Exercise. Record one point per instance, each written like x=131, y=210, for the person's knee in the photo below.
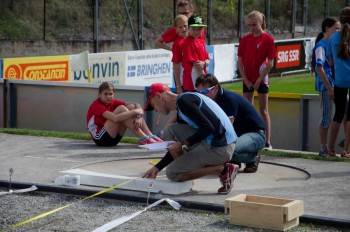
x=324, y=124
x=338, y=118
x=130, y=107
x=172, y=176
x=121, y=109
x=264, y=111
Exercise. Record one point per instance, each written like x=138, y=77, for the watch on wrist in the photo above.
x=185, y=148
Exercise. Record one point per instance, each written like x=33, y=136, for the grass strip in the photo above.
x=134, y=140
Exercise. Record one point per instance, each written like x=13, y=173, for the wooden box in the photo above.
x=264, y=212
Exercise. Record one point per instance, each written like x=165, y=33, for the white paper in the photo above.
x=157, y=146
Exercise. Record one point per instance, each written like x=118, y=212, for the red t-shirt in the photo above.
x=255, y=51
x=95, y=120
x=177, y=54
x=192, y=50
x=177, y=50
x=170, y=35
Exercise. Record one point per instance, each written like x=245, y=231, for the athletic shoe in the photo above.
x=253, y=166
x=156, y=138
x=147, y=141
x=345, y=154
x=227, y=178
x=267, y=147
x=323, y=153
x=331, y=153
x=237, y=163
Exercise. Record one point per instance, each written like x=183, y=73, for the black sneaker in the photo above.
x=253, y=166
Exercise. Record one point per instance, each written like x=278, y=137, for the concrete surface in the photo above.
x=323, y=186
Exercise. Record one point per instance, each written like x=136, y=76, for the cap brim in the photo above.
x=197, y=25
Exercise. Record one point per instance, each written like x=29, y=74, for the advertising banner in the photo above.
x=49, y=68
x=146, y=67
x=210, y=49
x=103, y=67
x=292, y=55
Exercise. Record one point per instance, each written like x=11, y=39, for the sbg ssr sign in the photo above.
x=288, y=56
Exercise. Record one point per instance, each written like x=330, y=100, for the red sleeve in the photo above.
x=272, y=51
x=170, y=35
x=96, y=108
x=241, y=46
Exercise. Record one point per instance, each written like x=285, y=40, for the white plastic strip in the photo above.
x=112, y=224
x=32, y=188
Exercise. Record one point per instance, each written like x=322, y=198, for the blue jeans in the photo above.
x=247, y=147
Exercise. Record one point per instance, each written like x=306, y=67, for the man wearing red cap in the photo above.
x=204, y=146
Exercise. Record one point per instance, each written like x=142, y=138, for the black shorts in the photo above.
x=262, y=89
x=105, y=140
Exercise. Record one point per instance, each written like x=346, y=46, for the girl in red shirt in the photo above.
x=108, y=119
x=256, y=53
x=181, y=26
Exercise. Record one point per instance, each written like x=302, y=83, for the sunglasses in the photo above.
x=204, y=91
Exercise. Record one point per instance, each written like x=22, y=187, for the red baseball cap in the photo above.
x=151, y=92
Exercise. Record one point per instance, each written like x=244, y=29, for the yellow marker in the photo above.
x=154, y=161
x=89, y=75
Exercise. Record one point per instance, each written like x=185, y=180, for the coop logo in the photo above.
x=288, y=56
x=41, y=71
x=146, y=70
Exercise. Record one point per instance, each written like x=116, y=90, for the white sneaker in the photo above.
x=267, y=147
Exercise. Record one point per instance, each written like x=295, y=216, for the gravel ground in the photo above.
x=92, y=213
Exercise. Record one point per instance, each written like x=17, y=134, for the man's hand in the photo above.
x=151, y=173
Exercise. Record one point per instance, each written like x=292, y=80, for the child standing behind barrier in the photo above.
x=256, y=52
x=195, y=57
x=181, y=25
x=184, y=7
x=108, y=119
x=324, y=82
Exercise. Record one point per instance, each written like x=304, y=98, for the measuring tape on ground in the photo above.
x=66, y=206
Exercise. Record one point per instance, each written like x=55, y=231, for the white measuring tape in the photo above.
x=112, y=224
x=32, y=188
